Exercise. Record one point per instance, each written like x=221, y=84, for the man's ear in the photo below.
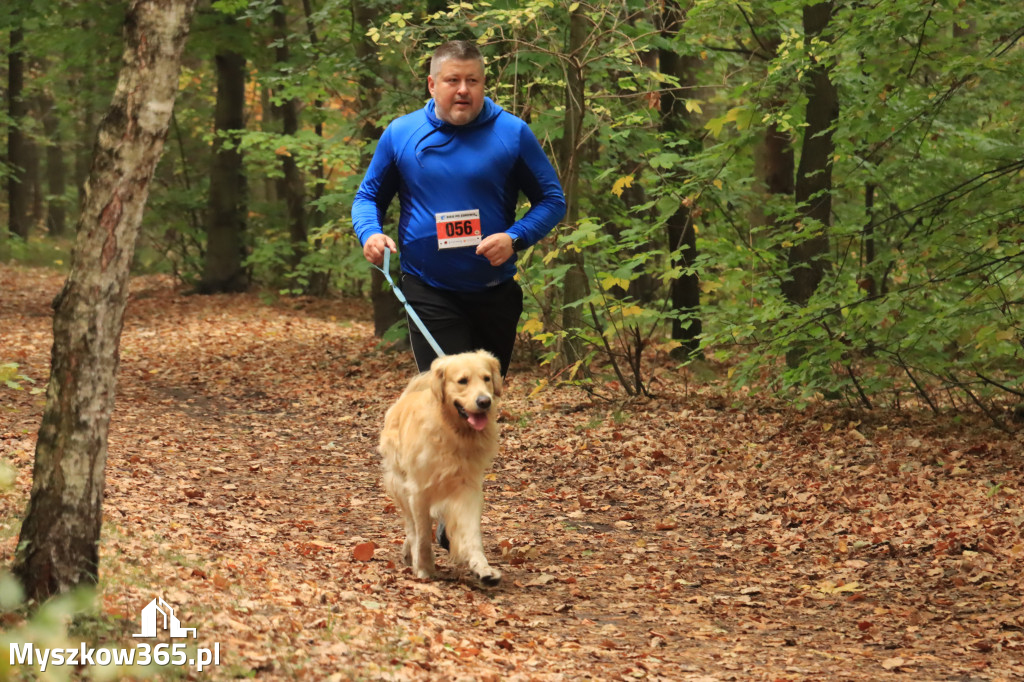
x=430, y=85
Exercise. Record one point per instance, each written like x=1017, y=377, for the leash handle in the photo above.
x=386, y=270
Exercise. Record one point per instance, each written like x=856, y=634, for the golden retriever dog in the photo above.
x=439, y=438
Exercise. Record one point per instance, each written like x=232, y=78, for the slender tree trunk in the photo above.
x=643, y=287
x=18, y=196
x=774, y=165
x=59, y=544
x=86, y=135
x=292, y=186
x=84, y=82
x=807, y=259
x=774, y=160
x=774, y=171
x=576, y=284
x=268, y=124
x=318, y=280
x=868, y=282
x=32, y=183
x=386, y=308
x=682, y=237
x=227, y=209
x=56, y=168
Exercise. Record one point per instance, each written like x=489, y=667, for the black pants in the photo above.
x=462, y=322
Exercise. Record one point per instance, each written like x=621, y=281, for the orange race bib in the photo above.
x=456, y=229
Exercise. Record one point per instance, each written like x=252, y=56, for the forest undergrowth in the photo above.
x=698, y=535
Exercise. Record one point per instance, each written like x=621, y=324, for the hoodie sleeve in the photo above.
x=539, y=182
x=376, y=190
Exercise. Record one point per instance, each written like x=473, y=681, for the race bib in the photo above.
x=456, y=229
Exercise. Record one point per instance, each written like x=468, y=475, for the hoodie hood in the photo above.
x=446, y=132
x=488, y=113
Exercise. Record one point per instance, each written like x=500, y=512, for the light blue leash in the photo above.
x=442, y=537
x=386, y=270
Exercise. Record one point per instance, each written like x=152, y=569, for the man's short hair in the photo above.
x=462, y=50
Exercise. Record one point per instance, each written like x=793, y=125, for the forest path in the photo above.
x=679, y=538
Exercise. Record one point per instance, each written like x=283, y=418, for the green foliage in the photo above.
x=932, y=316
x=74, y=51
x=920, y=303
x=50, y=253
x=11, y=378
x=54, y=625
x=617, y=326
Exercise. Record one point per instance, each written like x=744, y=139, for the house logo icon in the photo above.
x=171, y=623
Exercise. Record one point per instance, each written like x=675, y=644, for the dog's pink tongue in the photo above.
x=477, y=421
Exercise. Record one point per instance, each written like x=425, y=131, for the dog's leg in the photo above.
x=419, y=540
x=393, y=484
x=462, y=516
x=410, y=534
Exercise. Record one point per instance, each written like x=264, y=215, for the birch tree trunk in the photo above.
x=59, y=544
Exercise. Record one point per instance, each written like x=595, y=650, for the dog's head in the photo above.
x=468, y=384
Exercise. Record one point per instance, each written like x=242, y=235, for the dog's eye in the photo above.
x=464, y=380
x=487, y=377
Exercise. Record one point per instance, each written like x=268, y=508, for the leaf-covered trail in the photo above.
x=679, y=539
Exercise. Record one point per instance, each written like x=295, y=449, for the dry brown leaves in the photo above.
x=680, y=538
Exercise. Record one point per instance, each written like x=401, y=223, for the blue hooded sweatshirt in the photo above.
x=437, y=168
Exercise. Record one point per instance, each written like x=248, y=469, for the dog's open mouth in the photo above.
x=478, y=420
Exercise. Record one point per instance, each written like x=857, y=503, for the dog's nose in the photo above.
x=483, y=402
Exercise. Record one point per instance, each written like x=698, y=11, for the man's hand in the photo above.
x=496, y=249
x=373, y=249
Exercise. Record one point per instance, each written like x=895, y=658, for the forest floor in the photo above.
x=698, y=535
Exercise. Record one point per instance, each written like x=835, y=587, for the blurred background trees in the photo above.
x=820, y=198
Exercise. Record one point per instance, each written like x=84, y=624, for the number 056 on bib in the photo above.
x=458, y=228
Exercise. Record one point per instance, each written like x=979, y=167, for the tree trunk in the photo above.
x=813, y=192
x=774, y=161
x=775, y=165
x=227, y=208
x=56, y=168
x=18, y=197
x=576, y=284
x=292, y=187
x=867, y=281
x=267, y=189
x=682, y=237
x=87, y=80
x=86, y=137
x=32, y=183
x=59, y=544
x=318, y=279
x=386, y=308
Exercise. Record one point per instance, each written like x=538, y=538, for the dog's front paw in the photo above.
x=424, y=573
x=488, y=577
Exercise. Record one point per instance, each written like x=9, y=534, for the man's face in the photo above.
x=458, y=90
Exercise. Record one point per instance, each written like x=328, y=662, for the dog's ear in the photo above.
x=496, y=380
x=437, y=379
